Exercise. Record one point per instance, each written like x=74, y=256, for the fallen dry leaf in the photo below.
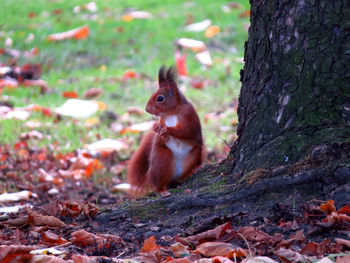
x=70, y=95
x=343, y=242
x=212, y=31
x=84, y=238
x=53, y=239
x=288, y=255
x=212, y=249
x=77, y=108
x=17, y=196
x=195, y=45
x=179, y=250
x=79, y=33
x=204, y=58
x=328, y=207
x=150, y=245
x=92, y=93
x=138, y=127
x=36, y=219
x=199, y=26
x=107, y=145
x=210, y=235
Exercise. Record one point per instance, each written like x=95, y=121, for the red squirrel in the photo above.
x=174, y=148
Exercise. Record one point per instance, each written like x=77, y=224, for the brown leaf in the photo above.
x=92, y=93
x=344, y=210
x=41, y=220
x=343, y=242
x=254, y=235
x=309, y=249
x=84, y=238
x=21, y=221
x=298, y=236
x=210, y=235
x=53, y=238
x=179, y=250
x=343, y=259
x=288, y=255
x=150, y=245
x=328, y=207
x=212, y=249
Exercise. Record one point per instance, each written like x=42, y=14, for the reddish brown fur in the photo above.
x=153, y=164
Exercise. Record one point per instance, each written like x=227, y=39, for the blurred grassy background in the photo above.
x=113, y=47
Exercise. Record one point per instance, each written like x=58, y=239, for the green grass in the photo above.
x=140, y=45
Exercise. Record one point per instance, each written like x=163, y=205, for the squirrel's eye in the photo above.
x=160, y=98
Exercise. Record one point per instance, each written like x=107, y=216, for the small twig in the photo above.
x=246, y=241
x=62, y=245
x=225, y=143
x=121, y=254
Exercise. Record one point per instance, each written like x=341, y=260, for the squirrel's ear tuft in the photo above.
x=162, y=76
x=171, y=75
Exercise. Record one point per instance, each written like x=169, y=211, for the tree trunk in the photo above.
x=294, y=105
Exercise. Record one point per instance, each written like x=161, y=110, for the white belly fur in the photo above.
x=180, y=150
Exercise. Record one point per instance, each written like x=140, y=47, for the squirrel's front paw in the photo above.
x=162, y=131
x=157, y=127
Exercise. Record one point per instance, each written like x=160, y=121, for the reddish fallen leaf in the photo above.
x=15, y=253
x=52, y=238
x=89, y=209
x=344, y=210
x=130, y=74
x=234, y=5
x=57, y=11
x=77, y=33
x=309, y=249
x=180, y=60
x=70, y=94
x=244, y=14
x=212, y=249
x=328, y=207
x=210, y=235
x=36, y=219
x=179, y=250
x=298, y=236
x=288, y=255
x=72, y=209
x=335, y=218
x=92, y=93
x=220, y=259
x=254, y=235
x=343, y=242
x=31, y=15
x=150, y=245
x=197, y=83
x=84, y=238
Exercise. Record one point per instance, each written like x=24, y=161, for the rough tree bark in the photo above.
x=295, y=98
